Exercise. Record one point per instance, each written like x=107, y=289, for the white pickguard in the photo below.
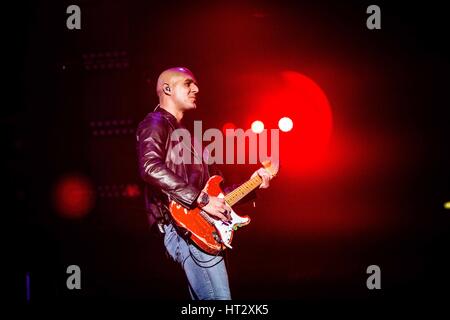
x=225, y=229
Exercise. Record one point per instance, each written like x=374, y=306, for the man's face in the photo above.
x=184, y=91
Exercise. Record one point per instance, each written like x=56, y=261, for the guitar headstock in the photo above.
x=271, y=166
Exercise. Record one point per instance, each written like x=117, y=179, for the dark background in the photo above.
x=378, y=200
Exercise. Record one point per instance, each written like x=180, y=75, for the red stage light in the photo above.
x=285, y=124
x=73, y=196
x=276, y=95
x=257, y=126
x=131, y=191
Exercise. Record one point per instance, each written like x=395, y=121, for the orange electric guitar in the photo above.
x=211, y=234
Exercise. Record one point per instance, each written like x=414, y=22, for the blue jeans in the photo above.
x=206, y=274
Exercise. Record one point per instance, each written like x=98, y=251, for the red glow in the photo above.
x=73, y=196
x=291, y=94
x=131, y=191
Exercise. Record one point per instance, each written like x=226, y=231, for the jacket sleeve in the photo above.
x=152, y=137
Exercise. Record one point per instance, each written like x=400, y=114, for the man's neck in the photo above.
x=173, y=111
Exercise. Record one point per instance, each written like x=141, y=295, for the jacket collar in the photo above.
x=166, y=114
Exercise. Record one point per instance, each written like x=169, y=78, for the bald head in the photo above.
x=177, y=90
x=168, y=78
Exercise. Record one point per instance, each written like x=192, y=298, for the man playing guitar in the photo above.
x=185, y=200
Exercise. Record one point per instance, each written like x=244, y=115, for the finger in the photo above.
x=222, y=217
x=228, y=211
x=265, y=174
x=221, y=207
x=217, y=214
x=228, y=215
x=264, y=184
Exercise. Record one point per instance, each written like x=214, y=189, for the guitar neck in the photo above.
x=240, y=192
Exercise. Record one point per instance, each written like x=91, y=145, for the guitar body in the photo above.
x=210, y=234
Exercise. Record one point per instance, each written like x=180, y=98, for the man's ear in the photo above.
x=166, y=89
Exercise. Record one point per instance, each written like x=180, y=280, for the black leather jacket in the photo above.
x=165, y=179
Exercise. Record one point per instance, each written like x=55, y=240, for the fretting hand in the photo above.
x=265, y=176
